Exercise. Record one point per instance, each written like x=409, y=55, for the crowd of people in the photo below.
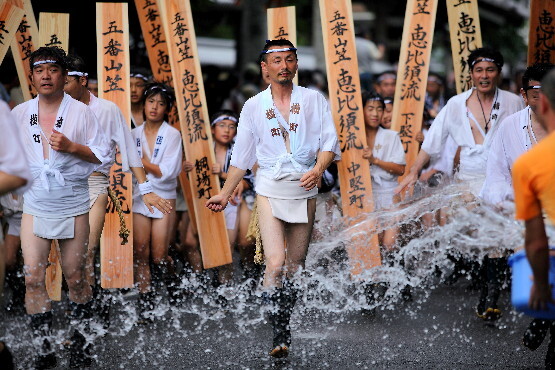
x=275, y=148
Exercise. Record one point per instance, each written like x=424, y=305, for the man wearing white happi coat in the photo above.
x=471, y=119
x=289, y=131
x=118, y=133
x=515, y=136
x=63, y=145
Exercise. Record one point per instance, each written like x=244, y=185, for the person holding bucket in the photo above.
x=533, y=181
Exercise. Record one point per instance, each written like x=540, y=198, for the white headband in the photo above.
x=44, y=62
x=223, y=118
x=386, y=76
x=77, y=73
x=388, y=101
x=483, y=60
x=278, y=50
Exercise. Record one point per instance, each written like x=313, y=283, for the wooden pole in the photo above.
x=10, y=18
x=195, y=128
x=23, y=45
x=282, y=25
x=412, y=75
x=541, y=38
x=466, y=36
x=346, y=106
x=112, y=34
x=54, y=31
x=158, y=55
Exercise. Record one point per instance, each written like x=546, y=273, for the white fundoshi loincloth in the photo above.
x=287, y=198
x=54, y=228
x=97, y=185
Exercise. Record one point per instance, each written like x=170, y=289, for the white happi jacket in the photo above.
x=116, y=130
x=510, y=142
x=60, y=185
x=311, y=130
x=453, y=120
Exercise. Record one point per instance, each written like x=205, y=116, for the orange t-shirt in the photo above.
x=534, y=181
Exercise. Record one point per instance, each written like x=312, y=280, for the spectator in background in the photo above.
x=93, y=86
x=367, y=53
x=385, y=83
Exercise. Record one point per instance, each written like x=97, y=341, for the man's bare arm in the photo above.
x=537, y=252
x=312, y=177
x=219, y=202
x=410, y=179
x=10, y=182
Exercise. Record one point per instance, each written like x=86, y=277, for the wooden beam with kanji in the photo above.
x=541, y=37
x=347, y=110
x=23, y=45
x=112, y=34
x=158, y=56
x=283, y=25
x=195, y=128
x=412, y=74
x=54, y=32
x=10, y=18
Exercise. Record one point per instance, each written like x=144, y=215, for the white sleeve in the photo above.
x=13, y=160
x=95, y=138
x=439, y=131
x=445, y=162
x=170, y=165
x=124, y=139
x=244, y=149
x=328, y=134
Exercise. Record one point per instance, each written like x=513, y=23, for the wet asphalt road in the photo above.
x=439, y=331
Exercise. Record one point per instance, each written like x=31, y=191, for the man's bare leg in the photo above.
x=97, y=216
x=272, y=232
x=245, y=247
x=298, y=239
x=35, y=256
x=192, y=250
x=141, y=251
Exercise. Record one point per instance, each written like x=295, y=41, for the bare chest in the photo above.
x=46, y=122
x=284, y=110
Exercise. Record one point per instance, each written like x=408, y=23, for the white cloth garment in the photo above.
x=97, y=185
x=511, y=141
x=12, y=157
x=388, y=148
x=315, y=132
x=60, y=182
x=113, y=124
x=453, y=120
x=166, y=154
x=259, y=139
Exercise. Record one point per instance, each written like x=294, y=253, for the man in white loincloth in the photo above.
x=289, y=130
x=117, y=132
x=63, y=144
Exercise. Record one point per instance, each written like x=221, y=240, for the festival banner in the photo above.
x=282, y=25
x=10, y=18
x=116, y=246
x=412, y=74
x=178, y=26
x=23, y=45
x=158, y=55
x=466, y=36
x=541, y=37
x=54, y=31
x=347, y=110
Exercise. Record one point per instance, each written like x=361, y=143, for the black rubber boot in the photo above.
x=274, y=307
x=102, y=303
x=481, y=307
x=16, y=282
x=287, y=304
x=145, y=305
x=80, y=354
x=41, y=326
x=495, y=274
x=535, y=333
x=6, y=358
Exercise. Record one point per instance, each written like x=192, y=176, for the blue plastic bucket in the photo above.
x=522, y=284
